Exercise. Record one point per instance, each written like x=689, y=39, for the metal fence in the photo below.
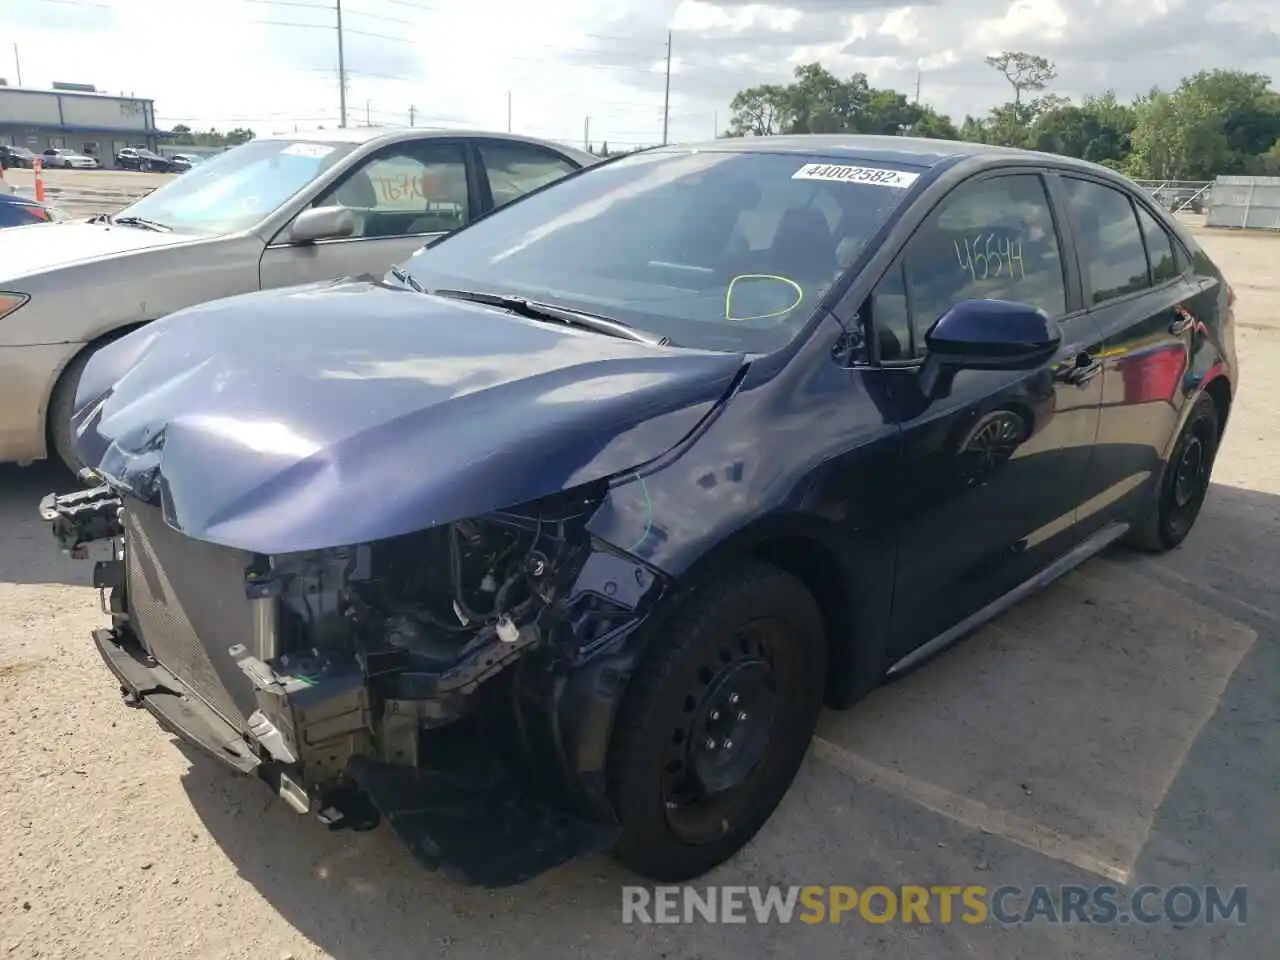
x=1191, y=196
x=1245, y=203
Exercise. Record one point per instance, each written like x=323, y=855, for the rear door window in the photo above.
x=514, y=169
x=1109, y=240
x=1164, y=265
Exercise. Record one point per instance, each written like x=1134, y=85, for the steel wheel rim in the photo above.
x=719, y=745
x=1188, y=481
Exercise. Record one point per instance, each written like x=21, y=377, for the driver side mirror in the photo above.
x=322, y=223
x=986, y=335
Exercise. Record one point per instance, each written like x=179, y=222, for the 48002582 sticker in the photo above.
x=841, y=173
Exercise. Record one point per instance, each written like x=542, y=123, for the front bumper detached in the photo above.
x=468, y=816
x=460, y=810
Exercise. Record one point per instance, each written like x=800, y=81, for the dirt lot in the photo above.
x=82, y=193
x=1120, y=727
x=89, y=179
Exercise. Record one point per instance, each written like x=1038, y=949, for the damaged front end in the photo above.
x=458, y=681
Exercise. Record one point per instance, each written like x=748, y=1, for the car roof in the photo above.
x=367, y=135
x=920, y=152
x=19, y=200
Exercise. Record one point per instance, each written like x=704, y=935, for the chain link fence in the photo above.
x=1179, y=196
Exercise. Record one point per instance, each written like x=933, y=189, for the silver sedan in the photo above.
x=272, y=212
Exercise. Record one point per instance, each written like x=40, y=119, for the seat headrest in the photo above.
x=803, y=245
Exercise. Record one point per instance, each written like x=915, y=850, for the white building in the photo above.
x=81, y=119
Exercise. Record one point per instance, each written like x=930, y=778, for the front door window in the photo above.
x=406, y=190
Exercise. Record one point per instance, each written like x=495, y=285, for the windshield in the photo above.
x=719, y=251
x=236, y=189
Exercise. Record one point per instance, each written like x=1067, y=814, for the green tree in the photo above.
x=1177, y=136
x=182, y=134
x=759, y=111
x=1098, y=130
x=1219, y=121
x=1250, y=112
x=819, y=102
x=1026, y=72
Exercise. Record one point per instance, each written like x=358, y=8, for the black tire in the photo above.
x=750, y=626
x=61, y=406
x=1174, y=503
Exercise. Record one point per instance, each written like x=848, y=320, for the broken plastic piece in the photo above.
x=508, y=632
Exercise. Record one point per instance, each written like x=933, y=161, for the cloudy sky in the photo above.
x=272, y=64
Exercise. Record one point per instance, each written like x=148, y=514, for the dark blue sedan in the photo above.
x=18, y=211
x=559, y=537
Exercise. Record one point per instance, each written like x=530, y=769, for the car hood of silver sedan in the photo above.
x=42, y=247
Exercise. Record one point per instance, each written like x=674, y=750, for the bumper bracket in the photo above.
x=144, y=682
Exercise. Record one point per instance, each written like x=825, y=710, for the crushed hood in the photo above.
x=340, y=413
x=48, y=246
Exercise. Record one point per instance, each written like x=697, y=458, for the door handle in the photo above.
x=1181, y=323
x=1082, y=371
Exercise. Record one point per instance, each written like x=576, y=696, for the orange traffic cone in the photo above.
x=37, y=167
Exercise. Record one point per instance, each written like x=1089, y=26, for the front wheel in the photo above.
x=1174, y=503
x=62, y=406
x=716, y=721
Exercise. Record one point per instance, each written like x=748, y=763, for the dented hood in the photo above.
x=341, y=413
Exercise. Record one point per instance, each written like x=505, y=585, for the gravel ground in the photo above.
x=1121, y=726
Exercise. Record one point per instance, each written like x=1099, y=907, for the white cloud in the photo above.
x=271, y=64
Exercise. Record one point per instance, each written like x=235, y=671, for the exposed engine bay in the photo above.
x=361, y=680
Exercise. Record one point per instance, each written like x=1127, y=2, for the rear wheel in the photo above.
x=1174, y=504
x=716, y=721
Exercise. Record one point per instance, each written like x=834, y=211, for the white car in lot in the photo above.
x=68, y=159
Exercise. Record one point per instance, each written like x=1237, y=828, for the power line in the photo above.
x=328, y=26
x=325, y=8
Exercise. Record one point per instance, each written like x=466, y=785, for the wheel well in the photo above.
x=96, y=344
x=817, y=566
x=1219, y=391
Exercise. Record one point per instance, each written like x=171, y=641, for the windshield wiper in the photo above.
x=535, y=310
x=407, y=280
x=143, y=222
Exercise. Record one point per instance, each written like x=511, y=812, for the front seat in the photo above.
x=803, y=247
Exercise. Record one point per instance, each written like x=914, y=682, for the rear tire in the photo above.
x=716, y=721
x=1174, y=503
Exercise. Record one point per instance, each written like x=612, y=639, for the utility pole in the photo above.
x=586, y=133
x=666, y=97
x=17, y=64
x=508, y=111
x=367, y=121
x=411, y=110
x=917, y=86
x=342, y=70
